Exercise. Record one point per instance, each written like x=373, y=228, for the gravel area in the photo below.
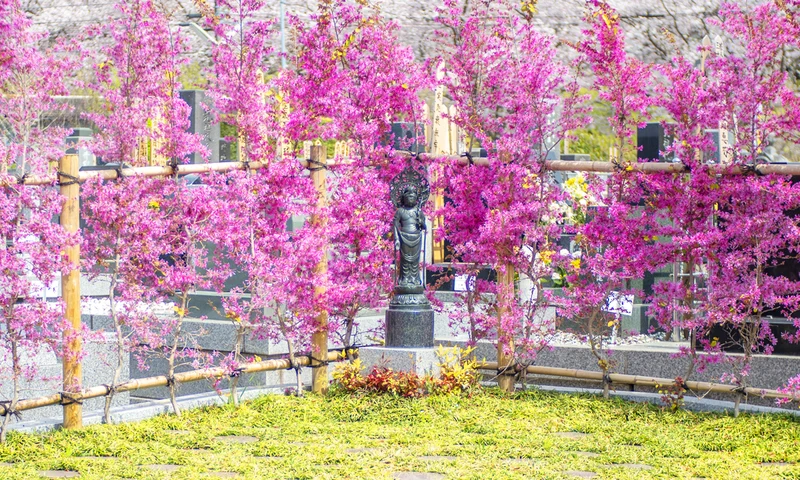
x=567, y=338
x=100, y=306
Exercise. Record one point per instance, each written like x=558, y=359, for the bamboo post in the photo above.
x=319, y=339
x=68, y=173
x=505, y=347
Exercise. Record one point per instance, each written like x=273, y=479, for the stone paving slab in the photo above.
x=580, y=474
x=417, y=476
x=231, y=439
x=59, y=474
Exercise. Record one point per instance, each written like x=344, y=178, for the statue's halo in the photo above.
x=414, y=178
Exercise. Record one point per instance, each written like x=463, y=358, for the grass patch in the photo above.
x=489, y=436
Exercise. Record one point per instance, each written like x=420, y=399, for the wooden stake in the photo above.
x=505, y=349
x=69, y=167
x=319, y=339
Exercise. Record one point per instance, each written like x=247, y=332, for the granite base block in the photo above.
x=409, y=328
x=422, y=361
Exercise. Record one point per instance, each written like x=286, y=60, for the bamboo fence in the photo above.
x=68, y=399
x=69, y=177
x=550, y=165
x=637, y=380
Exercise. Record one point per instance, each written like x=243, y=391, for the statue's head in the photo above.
x=410, y=196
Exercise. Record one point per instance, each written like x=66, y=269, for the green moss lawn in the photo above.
x=528, y=435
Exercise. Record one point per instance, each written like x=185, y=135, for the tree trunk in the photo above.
x=15, y=393
x=120, y=348
x=348, y=338
x=237, y=354
x=173, y=354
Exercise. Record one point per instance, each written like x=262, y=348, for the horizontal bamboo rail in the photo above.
x=642, y=381
x=652, y=167
x=159, y=381
x=551, y=165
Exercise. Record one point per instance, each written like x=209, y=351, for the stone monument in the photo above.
x=409, y=319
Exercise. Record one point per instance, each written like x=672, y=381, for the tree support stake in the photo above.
x=69, y=169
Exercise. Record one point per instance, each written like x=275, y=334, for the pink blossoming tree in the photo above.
x=350, y=81
x=516, y=102
x=146, y=254
x=30, y=243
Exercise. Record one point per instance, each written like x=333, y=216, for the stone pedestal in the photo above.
x=422, y=361
x=409, y=321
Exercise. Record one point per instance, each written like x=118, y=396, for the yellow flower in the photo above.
x=546, y=256
x=576, y=264
x=154, y=205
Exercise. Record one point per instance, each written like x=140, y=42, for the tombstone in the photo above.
x=403, y=137
x=200, y=122
x=652, y=142
x=552, y=144
x=74, y=140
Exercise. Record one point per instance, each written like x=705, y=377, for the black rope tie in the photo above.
x=173, y=163
x=469, y=158
x=120, y=174
x=22, y=178
x=508, y=370
x=110, y=389
x=752, y=168
x=618, y=166
x=7, y=410
x=69, y=399
x=294, y=366
x=319, y=165
x=170, y=380
x=236, y=372
x=72, y=179
x=319, y=363
x=606, y=378
x=683, y=385
x=740, y=390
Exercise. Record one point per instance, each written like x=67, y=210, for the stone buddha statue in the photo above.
x=409, y=225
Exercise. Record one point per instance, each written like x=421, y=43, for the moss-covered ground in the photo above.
x=491, y=435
